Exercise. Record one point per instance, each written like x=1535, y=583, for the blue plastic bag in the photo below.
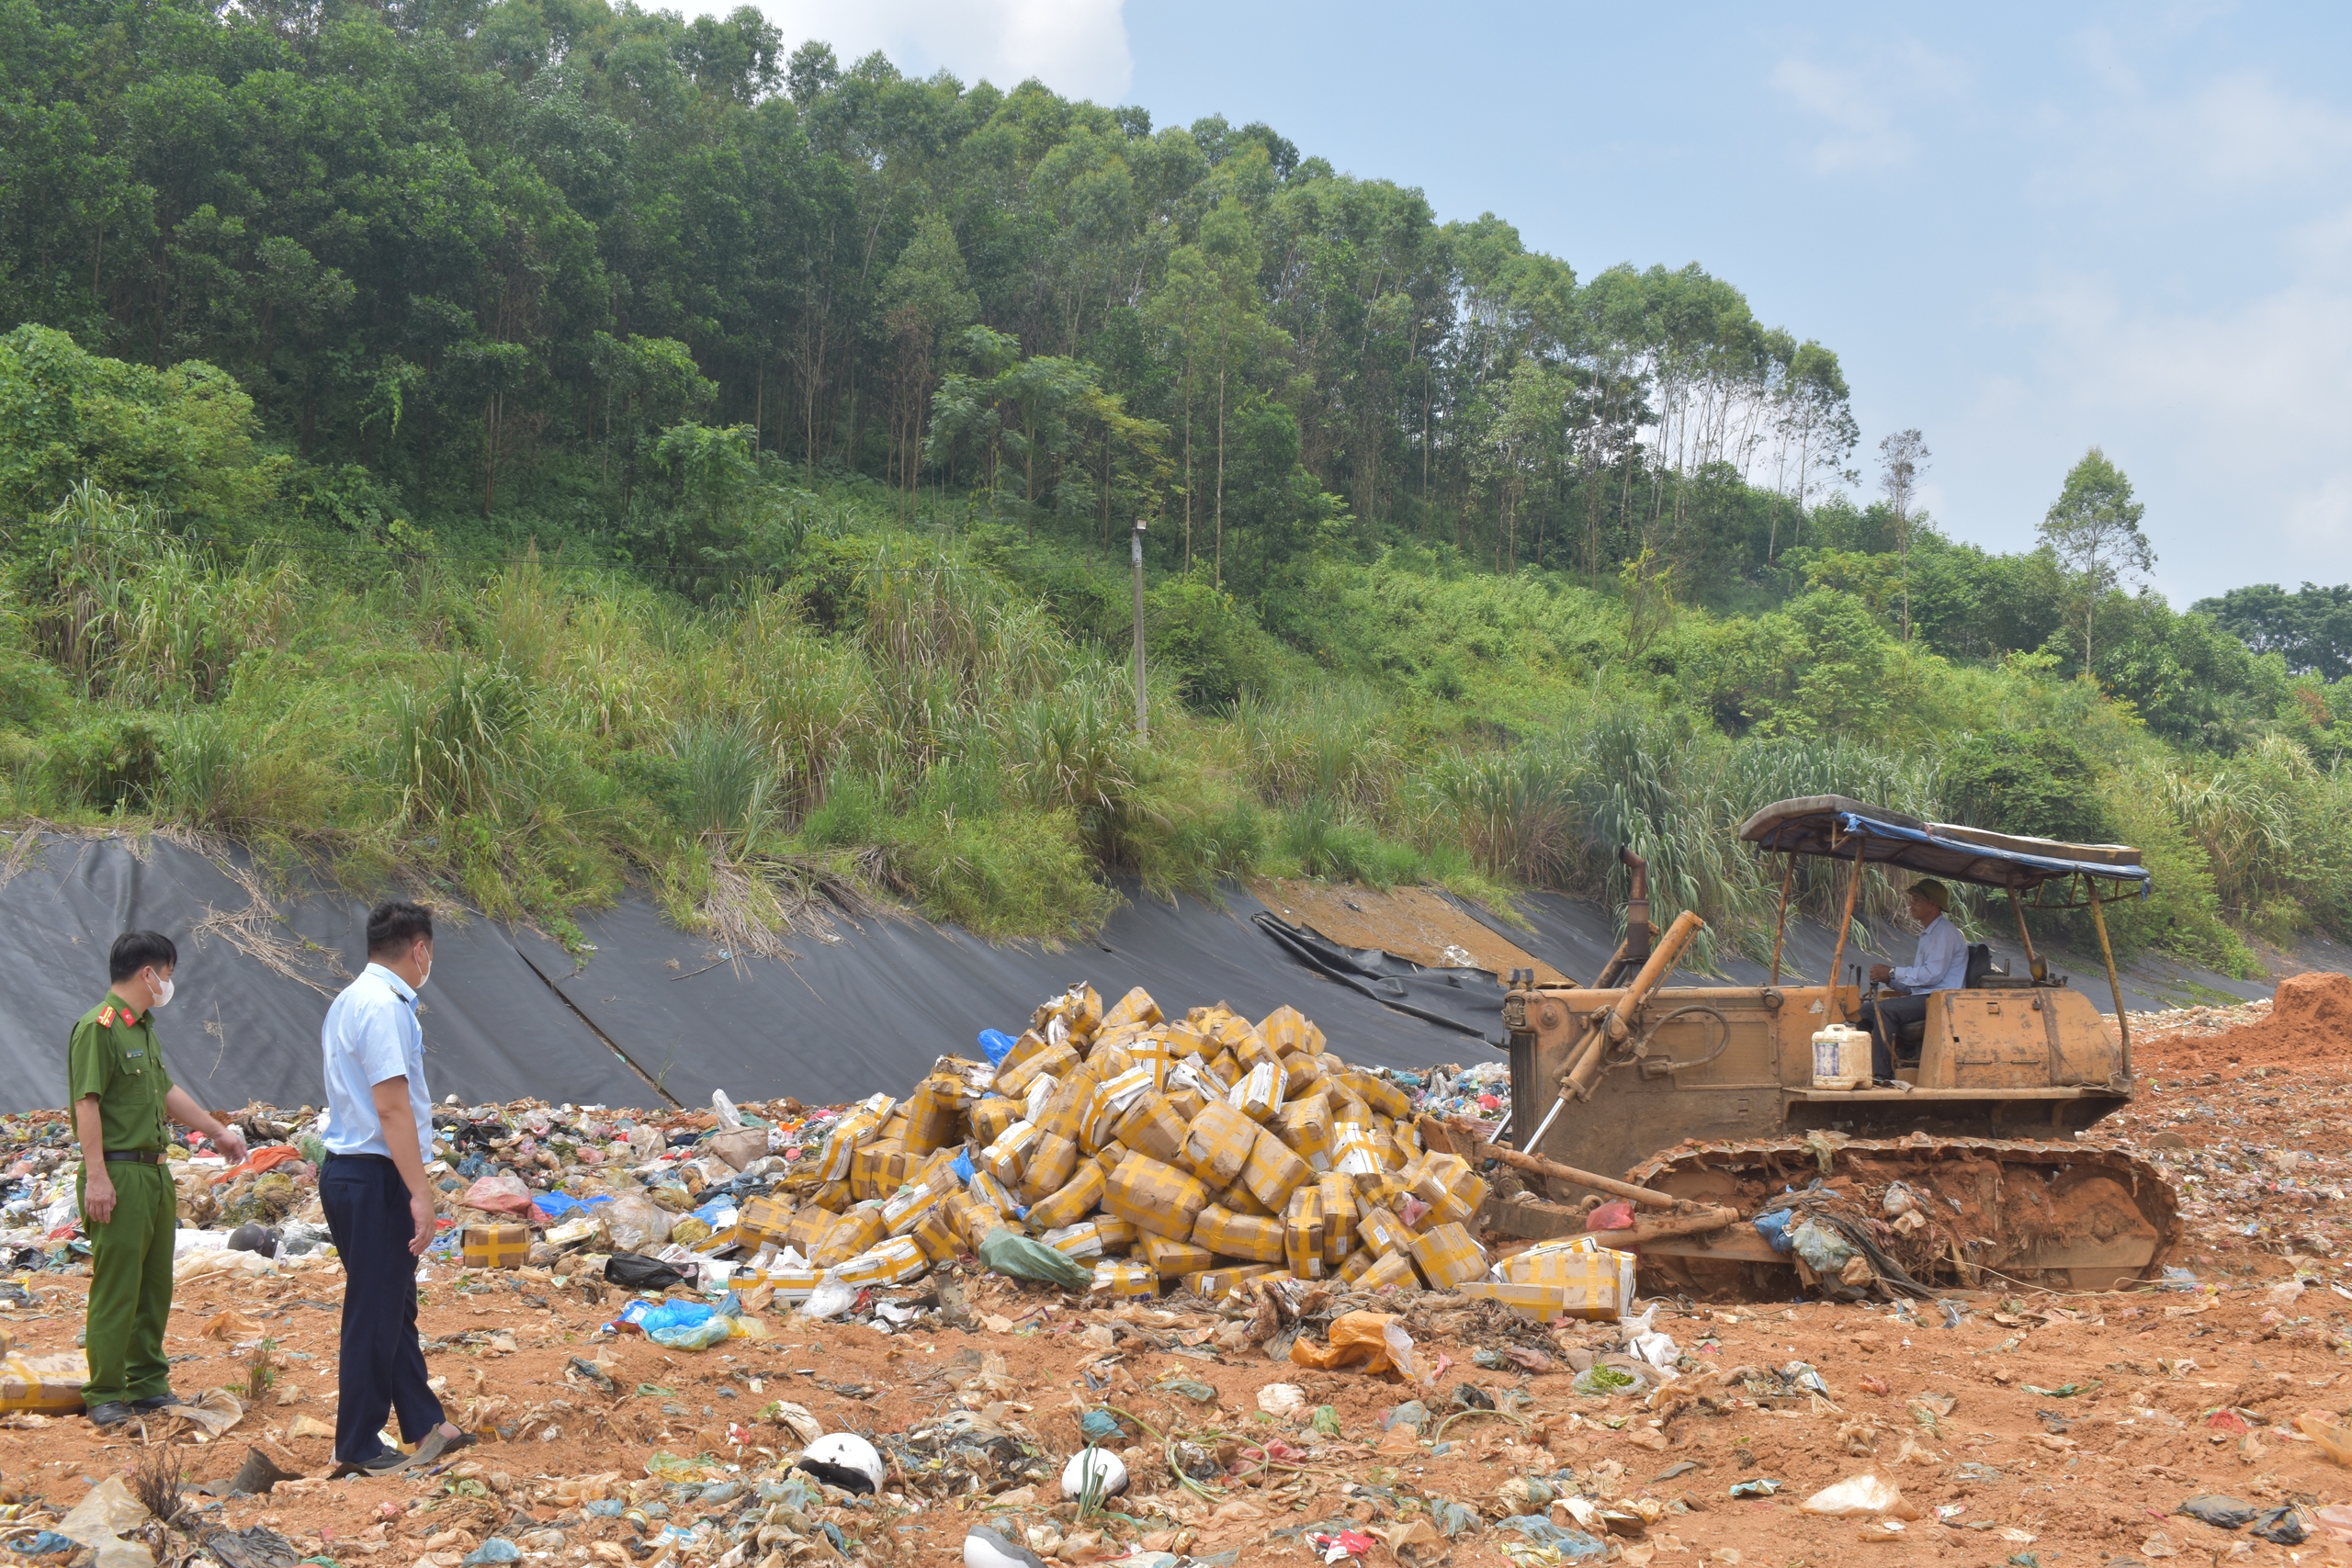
x=714, y=1330
x=43, y=1543
x=686, y=1326
x=1774, y=1227
x=497, y=1549
x=1570, y=1544
x=555, y=1205
x=677, y=1315
x=963, y=1167
x=998, y=1045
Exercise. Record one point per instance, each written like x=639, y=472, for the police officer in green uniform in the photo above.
x=122, y=1096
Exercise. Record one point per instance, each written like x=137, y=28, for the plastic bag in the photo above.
x=1659, y=1350
x=636, y=1224
x=1009, y=1252
x=730, y=1117
x=634, y=1272
x=1774, y=1228
x=714, y=1330
x=1400, y=1355
x=2222, y=1513
x=831, y=1297
x=1600, y=1382
x=2281, y=1526
x=1860, y=1494
x=669, y=1315
x=1572, y=1545
x=1356, y=1338
x=1824, y=1250
x=499, y=1195
x=1612, y=1216
x=2334, y=1440
x=995, y=1045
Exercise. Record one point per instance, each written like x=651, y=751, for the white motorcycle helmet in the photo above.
x=1109, y=1473
x=843, y=1460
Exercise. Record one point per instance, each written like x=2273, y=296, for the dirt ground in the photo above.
x=2041, y=1430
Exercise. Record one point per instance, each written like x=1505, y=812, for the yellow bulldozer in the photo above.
x=1961, y=1171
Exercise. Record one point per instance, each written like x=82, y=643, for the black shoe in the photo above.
x=155, y=1401
x=111, y=1415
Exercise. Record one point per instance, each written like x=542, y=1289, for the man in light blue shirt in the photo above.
x=379, y=1202
x=1941, y=964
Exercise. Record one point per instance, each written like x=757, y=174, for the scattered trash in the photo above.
x=1282, y=1399
x=2222, y=1513
x=1860, y=1494
x=1571, y=1544
x=2283, y=1526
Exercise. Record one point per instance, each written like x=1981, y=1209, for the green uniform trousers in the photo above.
x=130, y=1285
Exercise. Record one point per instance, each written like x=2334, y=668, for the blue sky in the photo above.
x=2026, y=229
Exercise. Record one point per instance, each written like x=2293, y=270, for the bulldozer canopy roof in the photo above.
x=1835, y=826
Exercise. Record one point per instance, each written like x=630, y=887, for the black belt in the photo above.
x=372, y=1159
x=144, y=1156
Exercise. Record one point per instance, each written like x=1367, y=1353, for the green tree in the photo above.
x=926, y=297
x=2034, y=782
x=185, y=438
x=2094, y=529
x=1902, y=458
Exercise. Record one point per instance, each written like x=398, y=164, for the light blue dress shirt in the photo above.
x=1942, y=961
x=371, y=1034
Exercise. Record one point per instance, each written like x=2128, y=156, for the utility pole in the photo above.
x=1135, y=558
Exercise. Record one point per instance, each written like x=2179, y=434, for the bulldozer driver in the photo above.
x=1941, y=964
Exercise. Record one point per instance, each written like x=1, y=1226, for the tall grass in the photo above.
x=725, y=779
x=454, y=745
x=904, y=719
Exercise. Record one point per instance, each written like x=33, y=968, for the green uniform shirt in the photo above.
x=113, y=1055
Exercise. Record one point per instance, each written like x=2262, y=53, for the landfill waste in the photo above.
x=800, y=1281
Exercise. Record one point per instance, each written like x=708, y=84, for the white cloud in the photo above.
x=2240, y=134
x=1861, y=106
x=1076, y=47
x=2229, y=418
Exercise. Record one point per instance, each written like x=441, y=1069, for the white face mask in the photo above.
x=160, y=990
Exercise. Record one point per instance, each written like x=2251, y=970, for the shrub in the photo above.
x=107, y=764
x=2035, y=781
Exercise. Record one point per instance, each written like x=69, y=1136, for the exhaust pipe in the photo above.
x=1637, y=907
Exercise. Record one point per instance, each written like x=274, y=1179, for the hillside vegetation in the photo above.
x=526, y=447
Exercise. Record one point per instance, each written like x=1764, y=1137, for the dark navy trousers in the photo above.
x=383, y=1369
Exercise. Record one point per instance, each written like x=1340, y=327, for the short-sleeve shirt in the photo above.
x=371, y=1035
x=113, y=1055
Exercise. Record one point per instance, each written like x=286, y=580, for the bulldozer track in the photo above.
x=2018, y=1210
